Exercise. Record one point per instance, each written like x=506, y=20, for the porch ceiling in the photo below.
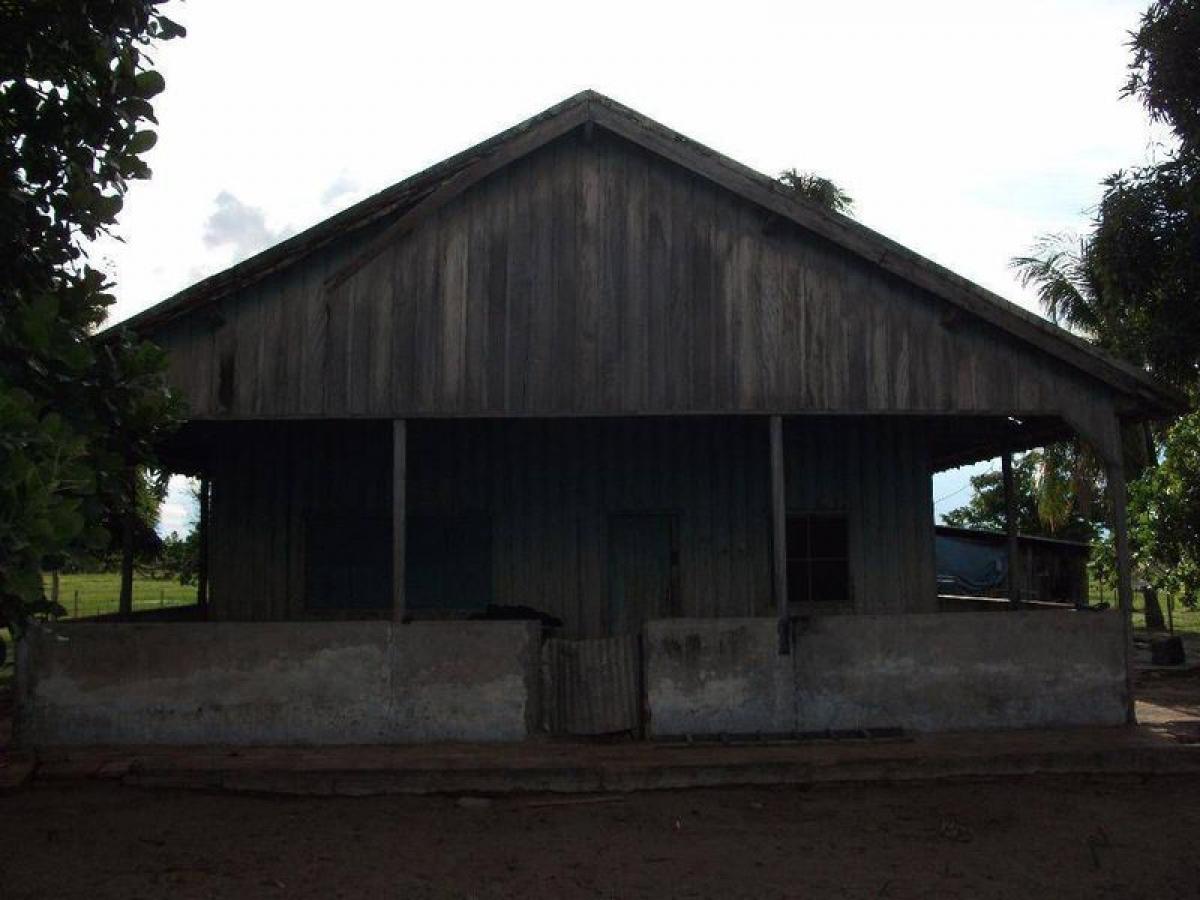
x=954, y=440
x=961, y=440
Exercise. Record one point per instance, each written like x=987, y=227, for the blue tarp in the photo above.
x=969, y=567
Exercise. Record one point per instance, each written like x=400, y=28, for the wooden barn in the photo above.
x=594, y=371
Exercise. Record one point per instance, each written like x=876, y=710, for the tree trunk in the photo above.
x=125, y=603
x=1154, y=613
x=54, y=585
x=202, y=562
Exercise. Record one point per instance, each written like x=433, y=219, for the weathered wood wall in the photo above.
x=549, y=487
x=268, y=481
x=592, y=277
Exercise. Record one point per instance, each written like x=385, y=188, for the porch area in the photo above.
x=499, y=580
x=596, y=524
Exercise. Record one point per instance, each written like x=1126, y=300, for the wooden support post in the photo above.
x=202, y=541
x=1103, y=431
x=399, y=515
x=1120, y=525
x=779, y=536
x=1012, y=524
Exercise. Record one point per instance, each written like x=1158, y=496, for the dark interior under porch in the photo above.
x=597, y=522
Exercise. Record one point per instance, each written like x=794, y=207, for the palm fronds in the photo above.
x=1060, y=268
x=819, y=190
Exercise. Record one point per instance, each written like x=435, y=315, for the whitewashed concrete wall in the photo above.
x=374, y=682
x=278, y=683
x=925, y=672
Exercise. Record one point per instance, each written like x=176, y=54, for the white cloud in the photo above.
x=178, y=513
x=240, y=226
x=338, y=188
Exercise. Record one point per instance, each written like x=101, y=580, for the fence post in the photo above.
x=76, y=603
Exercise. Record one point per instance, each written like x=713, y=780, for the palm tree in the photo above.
x=819, y=190
x=1073, y=286
x=1061, y=268
x=1065, y=273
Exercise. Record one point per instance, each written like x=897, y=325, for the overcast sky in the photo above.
x=961, y=129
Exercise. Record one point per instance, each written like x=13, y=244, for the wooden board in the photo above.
x=592, y=277
x=549, y=490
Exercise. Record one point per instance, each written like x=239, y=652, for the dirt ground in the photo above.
x=1165, y=696
x=1043, y=837
x=1061, y=837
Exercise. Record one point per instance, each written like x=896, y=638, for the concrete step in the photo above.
x=556, y=767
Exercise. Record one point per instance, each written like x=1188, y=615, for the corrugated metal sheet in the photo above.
x=593, y=686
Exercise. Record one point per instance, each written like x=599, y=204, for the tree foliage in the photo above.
x=1165, y=507
x=1059, y=510
x=1165, y=71
x=1148, y=239
x=78, y=414
x=1132, y=285
x=1061, y=268
x=819, y=190
x=180, y=557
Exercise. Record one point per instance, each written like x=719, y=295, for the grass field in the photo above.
x=91, y=595
x=1185, y=620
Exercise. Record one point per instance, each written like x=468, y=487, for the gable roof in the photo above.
x=411, y=200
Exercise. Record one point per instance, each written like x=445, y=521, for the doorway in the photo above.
x=643, y=570
x=593, y=686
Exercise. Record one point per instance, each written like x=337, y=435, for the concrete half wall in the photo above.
x=278, y=683
x=923, y=672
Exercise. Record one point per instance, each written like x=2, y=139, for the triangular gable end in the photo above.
x=401, y=208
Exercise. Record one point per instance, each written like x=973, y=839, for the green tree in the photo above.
x=1165, y=505
x=819, y=190
x=1132, y=285
x=180, y=557
x=79, y=416
x=1146, y=240
x=1074, y=520
x=1165, y=71
x=1147, y=244
x=1061, y=268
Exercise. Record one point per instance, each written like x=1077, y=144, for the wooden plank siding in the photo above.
x=549, y=488
x=593, y=277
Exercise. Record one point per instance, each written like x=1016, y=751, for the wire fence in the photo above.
x=86, y=598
